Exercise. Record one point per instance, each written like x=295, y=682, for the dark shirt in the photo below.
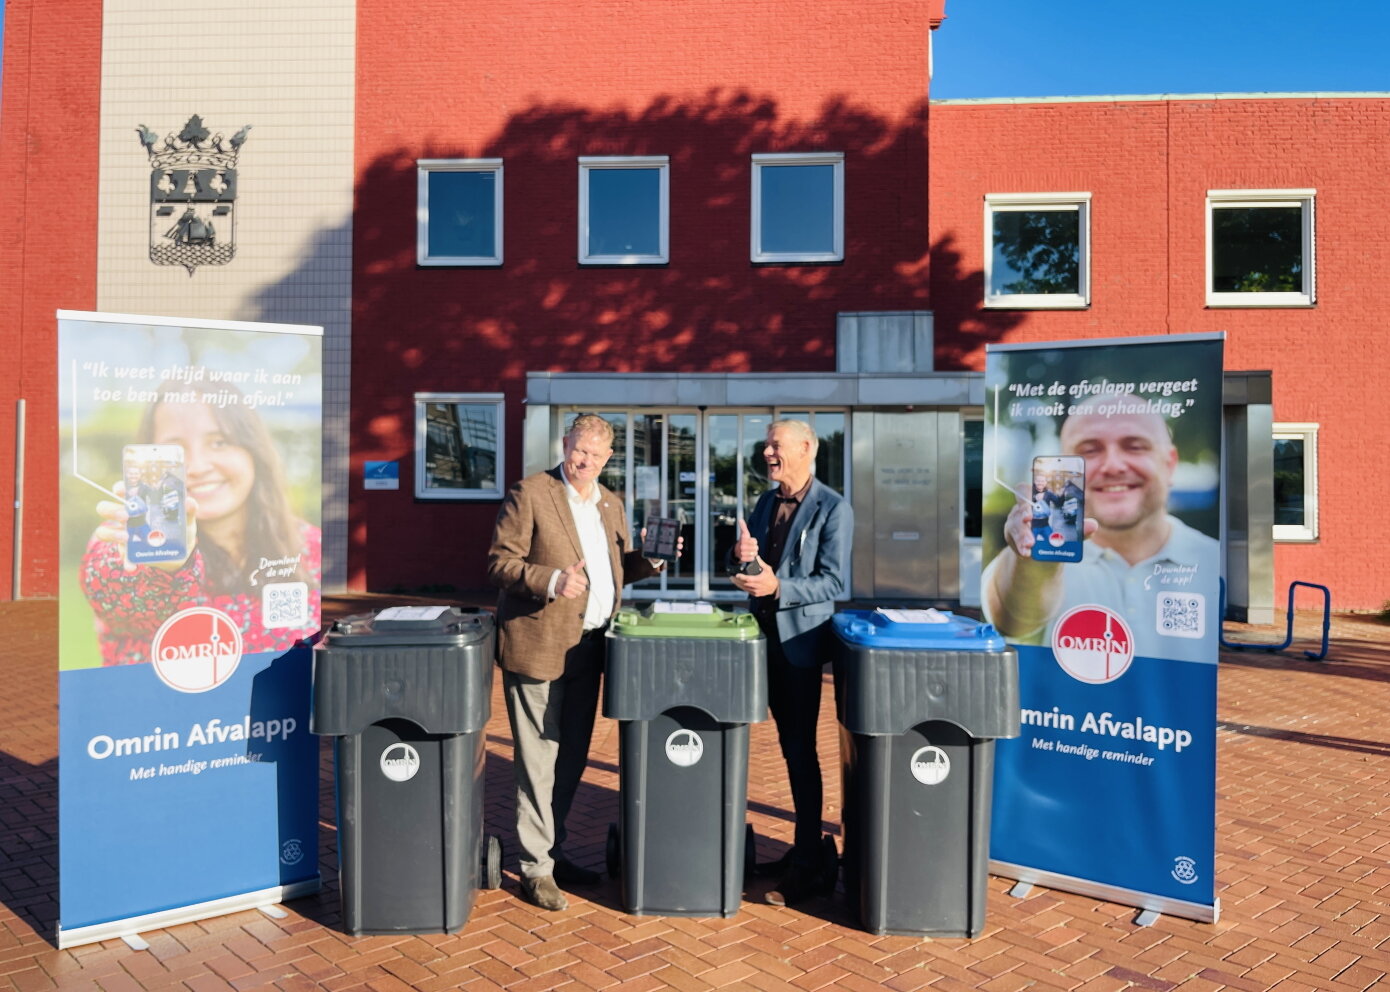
x=781, y=524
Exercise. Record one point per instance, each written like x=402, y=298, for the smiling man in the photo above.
x=1135, y=549
x=790, y=558
x=561, y=554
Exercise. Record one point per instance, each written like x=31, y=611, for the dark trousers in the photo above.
x=793, y=696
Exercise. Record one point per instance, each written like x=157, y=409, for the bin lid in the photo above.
x=411, y=625
x=686, y=619
x=929, y=629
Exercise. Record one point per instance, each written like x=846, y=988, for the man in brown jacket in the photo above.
x=561, y=554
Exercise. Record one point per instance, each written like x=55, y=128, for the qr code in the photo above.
x=1182, y=614
x=285, y=604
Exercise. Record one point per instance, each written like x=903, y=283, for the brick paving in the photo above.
x=1302, y=843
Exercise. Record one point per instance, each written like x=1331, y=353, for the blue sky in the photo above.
x=1001, y=48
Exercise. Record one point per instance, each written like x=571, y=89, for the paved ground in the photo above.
x=1302, y=843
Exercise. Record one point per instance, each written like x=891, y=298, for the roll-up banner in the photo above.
x=190, y=505
x=1102, y=519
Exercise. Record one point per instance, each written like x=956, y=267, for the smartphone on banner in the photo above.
x=156, y=510
x=1059, y=507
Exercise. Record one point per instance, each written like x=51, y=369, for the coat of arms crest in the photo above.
x=192, y=195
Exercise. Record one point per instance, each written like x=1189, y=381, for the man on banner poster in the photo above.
x=1143, y=557
x=1110, y=589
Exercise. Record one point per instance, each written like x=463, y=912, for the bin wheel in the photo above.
x=612, y=852
x=831, y=864
x=492, y=862
x=750, y=853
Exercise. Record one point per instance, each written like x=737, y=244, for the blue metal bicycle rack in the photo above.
x=1288, y=635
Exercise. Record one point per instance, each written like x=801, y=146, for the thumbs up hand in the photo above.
x=573, y=581
x=746, y=547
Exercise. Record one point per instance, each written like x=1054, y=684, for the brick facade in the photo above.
x=1148, y=166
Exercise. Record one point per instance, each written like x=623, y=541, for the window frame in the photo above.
x=423, y=490
x=1019, y=203
x=1308, y=530
x=1305, y=199
x=587, y=165
x=837, y=205
x=426, y=167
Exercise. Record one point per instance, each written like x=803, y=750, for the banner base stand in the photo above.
x=1021, y=890
x=1146, y=901
x=135, y=942
x=1147, y=918
x=130, y=929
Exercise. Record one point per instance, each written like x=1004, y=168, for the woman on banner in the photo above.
x=248, y=554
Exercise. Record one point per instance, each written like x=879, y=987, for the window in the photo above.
x=458, y=446
x=1037, y=250
x=799, y=207
x=624, y=210
x=1295, y=482
x=1260, y=248
x=459, y=211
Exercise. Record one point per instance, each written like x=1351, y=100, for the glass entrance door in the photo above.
x=704, y=469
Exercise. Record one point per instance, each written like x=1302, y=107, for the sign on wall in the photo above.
x=190, y=589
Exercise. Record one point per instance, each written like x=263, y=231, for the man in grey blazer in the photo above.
x=790, y=557
x=561, y=554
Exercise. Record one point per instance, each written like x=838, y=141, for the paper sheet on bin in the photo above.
x=661, y=606
x=412, y=613
x=914, y=616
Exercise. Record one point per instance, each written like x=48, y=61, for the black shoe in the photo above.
x=566, y=872
x=799, y=883
x=774, y=869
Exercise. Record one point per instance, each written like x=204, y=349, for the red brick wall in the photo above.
x=1148, y=166
x=48, y=222
x=540, y=84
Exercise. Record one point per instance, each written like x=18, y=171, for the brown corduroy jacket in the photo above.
x=535, y=535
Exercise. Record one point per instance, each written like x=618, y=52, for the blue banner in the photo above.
x=1102, y=565
x=191, y=554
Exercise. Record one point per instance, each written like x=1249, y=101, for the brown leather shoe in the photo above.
x=543, y=892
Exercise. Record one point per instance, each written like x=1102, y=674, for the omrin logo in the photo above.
x=1092, y=644
x=930, y=765
x=196, y=649
x=400, y=762
x=684, y=748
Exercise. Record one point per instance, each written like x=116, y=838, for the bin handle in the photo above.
x=862, y=628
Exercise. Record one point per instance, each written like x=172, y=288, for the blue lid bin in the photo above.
x=922, y=695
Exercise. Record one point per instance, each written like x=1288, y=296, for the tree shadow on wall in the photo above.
x=709, y=309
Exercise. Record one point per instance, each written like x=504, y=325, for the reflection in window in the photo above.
x=458, y=445
x=1295, y=482
x=973, y=473
x=798, y=207
x=459, y=212
x=623, y=210
x=1036, y=250
x=1260, y=247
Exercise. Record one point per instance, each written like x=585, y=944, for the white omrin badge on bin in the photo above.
x=684, y=748
x=930, y=765
x=400, y=762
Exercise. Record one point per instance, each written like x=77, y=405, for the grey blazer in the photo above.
x=812, y=569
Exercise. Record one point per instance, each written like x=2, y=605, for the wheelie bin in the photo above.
x=922, y=696
x=684, y=680
x=406, y=693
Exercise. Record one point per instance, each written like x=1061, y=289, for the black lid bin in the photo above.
x=406, y=693
x=923, y=694
x=684, y=680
